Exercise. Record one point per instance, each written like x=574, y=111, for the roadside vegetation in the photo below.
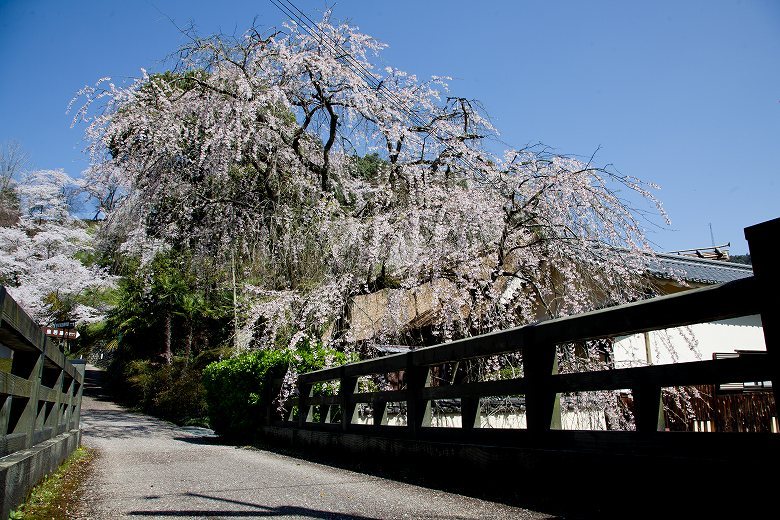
x=59, y=494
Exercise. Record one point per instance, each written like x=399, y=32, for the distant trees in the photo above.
x=12, y=162
x=741, y=259
x=47, y=195
x=46, y=254
x=103, y=187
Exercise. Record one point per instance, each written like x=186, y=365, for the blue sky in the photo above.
x=684, y=94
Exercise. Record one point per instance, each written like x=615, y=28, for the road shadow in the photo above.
x=94, y=384
x=416, y=476
x=102, y=417
x=255, y=511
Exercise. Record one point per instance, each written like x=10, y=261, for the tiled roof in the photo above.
x=697, y=270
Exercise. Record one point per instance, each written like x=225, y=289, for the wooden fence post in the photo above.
x=379, y=411
x=273, y=386
x=78, y=395
x=469, y=412
x=648, y=407
x=5, y=416
x=29, y=366
x=347, y=388
x=418, y=410
x=67, y=416
x=542, y=403
x=54, y=418
x=6, y=362
x=764, y=242
x=304, y=408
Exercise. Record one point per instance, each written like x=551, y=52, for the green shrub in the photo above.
x=174, y=392
x=235, y=387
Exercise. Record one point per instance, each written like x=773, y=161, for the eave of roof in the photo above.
x=697, y=270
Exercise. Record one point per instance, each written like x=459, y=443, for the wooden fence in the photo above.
x=600, y=469
x=541, y=384
x=40, y=403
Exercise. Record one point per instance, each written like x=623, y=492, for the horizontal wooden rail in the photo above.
x=14, y=385
x=718, y=371
x=384, y=396
x=752, y=368
x=387, y=364
x=729, y=300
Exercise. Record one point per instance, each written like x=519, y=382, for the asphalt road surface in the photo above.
x=153, y=469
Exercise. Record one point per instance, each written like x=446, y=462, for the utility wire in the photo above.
x=366, y=74
x=310, y=27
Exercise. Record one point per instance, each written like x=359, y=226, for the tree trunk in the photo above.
x=188, y=344
x=168, y=354
x=235, y=300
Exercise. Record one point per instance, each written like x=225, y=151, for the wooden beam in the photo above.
x=543, y=407
x=764, y=243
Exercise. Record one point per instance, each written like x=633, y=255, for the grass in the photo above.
x=57, y=496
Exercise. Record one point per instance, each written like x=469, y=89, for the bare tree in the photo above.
x=13, y=160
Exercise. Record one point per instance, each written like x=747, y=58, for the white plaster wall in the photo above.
x=693, y=343
x=570, y=420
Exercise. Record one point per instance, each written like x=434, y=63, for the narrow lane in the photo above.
x=154, y=469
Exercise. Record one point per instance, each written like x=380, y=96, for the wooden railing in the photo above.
x=541, y=384
x=40, y=390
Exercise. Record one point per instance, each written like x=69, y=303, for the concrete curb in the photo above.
x=22, y=470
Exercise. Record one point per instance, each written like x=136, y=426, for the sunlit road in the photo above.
x=151, y=468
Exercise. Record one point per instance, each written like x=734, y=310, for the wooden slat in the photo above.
x=719, y=302
x=323, y=399
x=12, y=442
x=387, y=396
x=74, y=372
x=713, y=445
x=48, y=394
x=478, y=389
x=71, y=370
x=717, y=371
x=27, y=334
x=499, y=342
x=380, y=365
x=54, y=354
x=14, y=385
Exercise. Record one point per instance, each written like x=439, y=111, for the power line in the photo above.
x=310, y=27
x=366, y=74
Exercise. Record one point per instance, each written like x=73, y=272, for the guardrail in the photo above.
x=40, y=391
x=541, y=384
x=40, y=404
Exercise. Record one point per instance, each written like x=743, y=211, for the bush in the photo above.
x=174, y=392
x=235, y=387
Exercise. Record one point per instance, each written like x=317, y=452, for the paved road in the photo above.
x=153, y=469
